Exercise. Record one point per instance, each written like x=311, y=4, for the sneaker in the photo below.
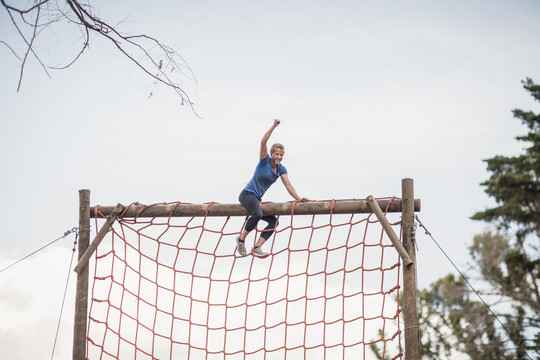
x=241, y=246
x=258, y=251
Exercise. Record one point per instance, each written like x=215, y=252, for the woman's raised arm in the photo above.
x=264, y=140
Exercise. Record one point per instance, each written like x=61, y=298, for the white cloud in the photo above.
x=30, y=304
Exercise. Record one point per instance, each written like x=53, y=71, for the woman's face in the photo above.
x=277, y=156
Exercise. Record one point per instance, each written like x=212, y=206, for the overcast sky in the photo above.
x=368, y=93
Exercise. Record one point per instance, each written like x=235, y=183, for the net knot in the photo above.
x=208, y=207
x=389, y=203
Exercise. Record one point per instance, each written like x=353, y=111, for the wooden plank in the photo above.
x=410, y=311
x=301, y=208
x=81, y=295
x=389, y=231
x=83, y=260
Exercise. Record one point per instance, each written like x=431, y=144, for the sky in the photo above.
x=368, y=93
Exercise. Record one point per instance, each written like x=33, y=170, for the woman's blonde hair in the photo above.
x=276, y=146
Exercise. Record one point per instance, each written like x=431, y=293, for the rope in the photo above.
x=470, y=285
x=41, y=248
x=65, y=293
x=164, y=286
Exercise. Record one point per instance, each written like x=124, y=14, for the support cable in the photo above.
x=41, y=248
x=470, y=285
x=65, y=293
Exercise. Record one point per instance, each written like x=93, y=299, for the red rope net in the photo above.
x=175, y=288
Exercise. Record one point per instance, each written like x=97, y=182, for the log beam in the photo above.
x=83, y=260
x=300, y=208
x=389, y=231
x=81, y=295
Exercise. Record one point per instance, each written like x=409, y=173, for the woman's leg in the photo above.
x=250, y=202
x=268, y=230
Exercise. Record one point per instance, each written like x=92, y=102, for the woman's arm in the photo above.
x=264, y=140
x=290, y=188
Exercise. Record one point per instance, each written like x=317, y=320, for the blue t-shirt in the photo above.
x=264, y=176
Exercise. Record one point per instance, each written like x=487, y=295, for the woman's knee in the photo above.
x=272, y=221
x=252, y=221
x=256, y=217
x=257, y=213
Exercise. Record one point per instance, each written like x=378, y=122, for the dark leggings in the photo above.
x=251, y=203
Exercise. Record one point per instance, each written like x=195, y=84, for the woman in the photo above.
x=266, y=173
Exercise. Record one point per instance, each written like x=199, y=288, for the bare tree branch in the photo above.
x=157, y=60
x=26, y=42
x=25, y=11
x=29, y=47
x=10, y=48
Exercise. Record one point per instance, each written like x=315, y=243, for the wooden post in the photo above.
x=410, y=312
x=81, y=296
x=389, y=231
x=300, y=208
x=83, y=259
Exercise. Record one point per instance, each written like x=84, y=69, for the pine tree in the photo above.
x=514, y=182
x=452, y=318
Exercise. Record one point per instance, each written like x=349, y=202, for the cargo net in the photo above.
x=175, y=288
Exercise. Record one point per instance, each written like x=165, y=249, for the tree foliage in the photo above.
x=159, y=62
x=452, y=322
x=514, y=182
x=506, y=265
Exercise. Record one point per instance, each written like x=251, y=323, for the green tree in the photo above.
x=514, y=182
x=452, y=318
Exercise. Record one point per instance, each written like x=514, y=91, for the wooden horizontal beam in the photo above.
x=301, y=208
